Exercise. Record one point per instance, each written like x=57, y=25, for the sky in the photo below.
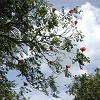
x=90, y=26
x=72, y=3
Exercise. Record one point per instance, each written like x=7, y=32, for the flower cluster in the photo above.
x=83, y=49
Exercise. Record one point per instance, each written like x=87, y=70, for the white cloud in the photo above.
x=90, y=26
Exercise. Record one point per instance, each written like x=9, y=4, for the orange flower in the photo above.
x=68, y=66
x=82, y=49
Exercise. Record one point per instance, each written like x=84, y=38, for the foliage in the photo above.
x=5, y=87
x=81, y=58
x=34, y=25
x=86, y=87
x=7, y=91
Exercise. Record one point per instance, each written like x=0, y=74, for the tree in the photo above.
x=6, y=87
x=86, y=87
x=34, y=25
x=7, y=91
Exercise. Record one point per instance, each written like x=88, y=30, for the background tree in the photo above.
x=32, y=26
x=86, y=87
x=7, y=89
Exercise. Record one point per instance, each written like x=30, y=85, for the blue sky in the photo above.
x=72, y=3
x=90, y=26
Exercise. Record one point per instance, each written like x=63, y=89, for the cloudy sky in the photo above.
x=72, y=3
x=90, y=26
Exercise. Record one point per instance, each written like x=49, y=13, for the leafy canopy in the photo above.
x=86, y=87
x=32, y=27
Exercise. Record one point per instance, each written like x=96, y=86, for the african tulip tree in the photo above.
x=34, y=25
x=86, y=87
